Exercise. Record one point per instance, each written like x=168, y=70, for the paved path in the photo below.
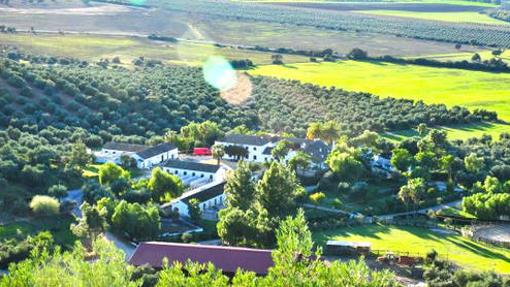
x=127, y=247
x=332, y=210
x=75, y=195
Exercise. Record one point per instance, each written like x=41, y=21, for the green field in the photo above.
x=471, y=89
x=456, y=17
x=89, y=47
x=461, y=56
x=416, y=240
x=58, y=226
x=458, y=132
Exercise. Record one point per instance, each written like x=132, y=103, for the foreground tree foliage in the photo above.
x=296, y=264
x=74, y=268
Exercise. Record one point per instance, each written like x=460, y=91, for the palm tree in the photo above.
x=218, y=152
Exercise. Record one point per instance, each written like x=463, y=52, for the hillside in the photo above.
x=153, y=98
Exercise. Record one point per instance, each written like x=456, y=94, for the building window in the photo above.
x=254, y=157
x=254, y=148
x=185, y=173
x=210, y=177
x=193, y=174
x=176, y=172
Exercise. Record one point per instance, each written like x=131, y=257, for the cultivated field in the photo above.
x=116, y=20
x=401, y=6
x=461, y=56
x=461, y=250
x=277, y=35
x=456, y=17
x=451, y=2
x=91, y=47
x=471, y=89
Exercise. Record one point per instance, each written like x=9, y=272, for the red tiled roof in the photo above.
x=225, y=258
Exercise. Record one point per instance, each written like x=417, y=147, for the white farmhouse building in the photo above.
x=211, y=197
x=193, y=173
x=259, y=148
x=145, y=156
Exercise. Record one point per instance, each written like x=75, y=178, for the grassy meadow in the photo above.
x=93, y=47
x=471, y=89
x=58, y=226
x=461, y=250
x=456, y=17
x=458, y=132
x=463, y=55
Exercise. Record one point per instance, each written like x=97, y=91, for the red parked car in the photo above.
x=202, y=151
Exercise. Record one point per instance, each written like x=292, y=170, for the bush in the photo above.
x=187, y=237
x=328, y=182
x=343, y=187
x=359, y=190
x=43, y=205
x=317, y=197
x=57, y=191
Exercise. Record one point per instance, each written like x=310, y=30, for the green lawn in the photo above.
x=58, y=226
x=471, y=89
x=458, y=132
x=456, y=17
x=461, y=250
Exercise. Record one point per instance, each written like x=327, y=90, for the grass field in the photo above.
x=419, y=240
x=471, y=89
x=458, y=132
x=58, y=226
x=90, y=47
x=456, y=17
x=461, y=56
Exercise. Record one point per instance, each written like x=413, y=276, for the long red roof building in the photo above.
x=226, y=258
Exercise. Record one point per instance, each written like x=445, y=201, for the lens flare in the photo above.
x=219, y=73
x=240, y=93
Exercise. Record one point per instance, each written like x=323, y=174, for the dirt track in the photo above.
x=500, y=232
